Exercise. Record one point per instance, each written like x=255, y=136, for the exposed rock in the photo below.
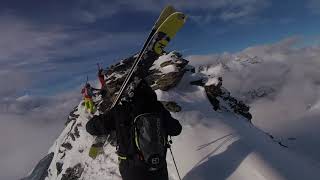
x=73, y=173
x=72, y=137
x=166, y=63
x=67, y=145
x=76, y=132
x=40, y=172
x=115, y=75
x=59, y=167
x=169, y=80
x=171, y=106
x=214, y=92
x=199, y=82
x=72, y=116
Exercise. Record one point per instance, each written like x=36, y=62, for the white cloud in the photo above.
x=314, y=6
x=291, y=75
x=28, y=126
x=23, y=42
x=208, y=10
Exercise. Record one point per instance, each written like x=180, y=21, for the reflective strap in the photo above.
x=122, y=157
x=136, y=138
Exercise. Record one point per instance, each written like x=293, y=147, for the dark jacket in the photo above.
x=120, y=119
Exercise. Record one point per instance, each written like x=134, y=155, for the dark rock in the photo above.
x=76, y=132
x=73, y=173
x=198, y=82
x=190, y=68
x=166, y=63
x=72, y=116
x=59, y=167
x=169, y=80
x=40, y=172
x=72, y=137
x=214, y=92
x=171, y=106
x=67, y=145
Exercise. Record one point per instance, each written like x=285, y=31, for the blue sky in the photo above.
x=54, y=45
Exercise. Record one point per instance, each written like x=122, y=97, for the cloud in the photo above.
x=314, y=6
x=33, y=55
x=23, y=41
x=28, y=126
x=205, y=10
x=290, y=76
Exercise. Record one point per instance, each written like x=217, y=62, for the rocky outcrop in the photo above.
x=157, y=77
x=169, y=72
x=73, y=173
x=72, y=116
x=216, y=93
x=171, y=106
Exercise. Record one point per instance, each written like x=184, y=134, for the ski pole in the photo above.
x=174, y=161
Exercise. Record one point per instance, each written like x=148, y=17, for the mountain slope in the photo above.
x=213, y=144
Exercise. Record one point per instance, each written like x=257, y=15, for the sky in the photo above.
x=47, y=48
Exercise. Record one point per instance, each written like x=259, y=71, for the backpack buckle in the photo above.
x=155, y=161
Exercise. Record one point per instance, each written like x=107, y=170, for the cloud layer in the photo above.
x=28, y=127
x=287, y=77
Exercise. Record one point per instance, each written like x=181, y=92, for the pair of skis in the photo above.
x=165, y=28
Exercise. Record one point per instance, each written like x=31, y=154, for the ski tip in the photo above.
x=180, y=16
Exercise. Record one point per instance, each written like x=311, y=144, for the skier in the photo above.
x=101, y=76
x=139, y=100
x=87, y=93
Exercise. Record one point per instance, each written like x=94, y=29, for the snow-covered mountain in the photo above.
x=222, y=144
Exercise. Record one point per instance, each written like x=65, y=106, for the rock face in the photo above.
x=73, y=173
x=40, y=172
x=169, y=72
x=165, y=74
x=215, y=94
x=171, y=106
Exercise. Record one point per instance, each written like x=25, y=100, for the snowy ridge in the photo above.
x=213, y=145
x=100, y=168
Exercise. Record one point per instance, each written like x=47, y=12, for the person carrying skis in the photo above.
x=142, y=126
x=101, y=76
x=87, y=93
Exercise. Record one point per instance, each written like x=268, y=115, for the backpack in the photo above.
x=150, y=139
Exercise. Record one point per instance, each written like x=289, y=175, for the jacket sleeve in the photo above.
x=101, y=125
x=173, y=126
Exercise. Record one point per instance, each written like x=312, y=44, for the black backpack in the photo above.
x=150, y=139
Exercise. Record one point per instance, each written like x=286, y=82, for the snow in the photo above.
x=231, y=147
x=103, y=167
x=212, y=145
x=164, y=58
